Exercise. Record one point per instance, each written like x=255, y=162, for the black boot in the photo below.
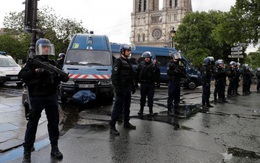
x=113, y=130
x=151, y=111
x=27, y=156
x=128, y=125
x=55, y=152
x=170, y=112
x=141, y=111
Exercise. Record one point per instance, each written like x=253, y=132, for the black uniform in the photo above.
x=258, y=81
x=220, y=83
x=206, y=74
x=42, y=87
x=232, y=81
x=175, y=73
x=246, y=74
x=123, y=81
x=237, y=80
x=148, y=74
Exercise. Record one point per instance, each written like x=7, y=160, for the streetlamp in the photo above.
x=173, y=34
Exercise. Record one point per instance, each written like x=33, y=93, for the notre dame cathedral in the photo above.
x=153, y=21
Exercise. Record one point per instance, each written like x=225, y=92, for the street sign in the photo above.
x=236, y=48
x=236, y=52
x=235, y=56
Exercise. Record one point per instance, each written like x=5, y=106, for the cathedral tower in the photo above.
x=153, y=20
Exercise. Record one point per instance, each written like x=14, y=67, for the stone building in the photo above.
x=152, y=24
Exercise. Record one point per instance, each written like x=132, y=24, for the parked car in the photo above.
x=9, y=70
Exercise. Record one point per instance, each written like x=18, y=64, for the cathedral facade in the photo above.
x=153, y=25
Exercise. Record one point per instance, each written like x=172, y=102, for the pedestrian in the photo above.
x=206, y=74
x=42, y=90
x=231, y=74
x=175, y=72
x=60, y=60
x=148, y=74
x=257, y=74
x=123, y=81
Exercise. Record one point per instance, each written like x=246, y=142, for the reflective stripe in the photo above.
x=89, y=76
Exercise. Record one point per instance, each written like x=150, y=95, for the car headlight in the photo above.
x=2, y=73
x=70, y=82
x=105, y=82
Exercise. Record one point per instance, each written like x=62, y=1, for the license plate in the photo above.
x=14, y=78
x=86, y=85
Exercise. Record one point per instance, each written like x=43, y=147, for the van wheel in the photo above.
x=192, y=84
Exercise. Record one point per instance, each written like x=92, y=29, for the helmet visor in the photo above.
x=46, y=49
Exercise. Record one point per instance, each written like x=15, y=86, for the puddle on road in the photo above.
x=243, y=153
x=184, y=112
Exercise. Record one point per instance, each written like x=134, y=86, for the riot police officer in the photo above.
x=42, y=89
x=237, y=78
x=246, y=75
x=220, y=81
x=258, y=79
x=148, y=74
x=175, y=72
x=60, y=60
x=231, y=74
x=123, y=81
x=206, y=74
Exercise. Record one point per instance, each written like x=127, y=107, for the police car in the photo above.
x=9, y=70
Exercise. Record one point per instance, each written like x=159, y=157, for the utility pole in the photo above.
x=30, y=24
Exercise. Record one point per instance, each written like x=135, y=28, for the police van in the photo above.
x=161, y=54
x=89, y=62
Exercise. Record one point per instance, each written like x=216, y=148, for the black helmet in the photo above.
x=41, y=43
x=61, y=55
x=146, y=54
x=124, y=47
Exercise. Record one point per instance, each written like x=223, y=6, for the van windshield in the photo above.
x=88, y=57
x=7, y=62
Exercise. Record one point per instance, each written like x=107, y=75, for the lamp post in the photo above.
x=173, y=34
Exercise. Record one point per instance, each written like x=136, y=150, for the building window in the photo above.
x=170, y=3
x=143, y=37
x=139, y=5
x=144, y=5
x=139, y=38
x=176, y=3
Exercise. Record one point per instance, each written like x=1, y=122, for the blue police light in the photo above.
x=2, y=53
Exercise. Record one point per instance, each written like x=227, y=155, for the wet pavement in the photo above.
x=224, y=133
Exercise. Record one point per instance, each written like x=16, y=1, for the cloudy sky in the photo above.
x=109, y=17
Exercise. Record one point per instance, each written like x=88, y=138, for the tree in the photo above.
x=196, y=39
x=57, y=29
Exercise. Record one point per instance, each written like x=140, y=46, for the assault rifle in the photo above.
x=49, y=68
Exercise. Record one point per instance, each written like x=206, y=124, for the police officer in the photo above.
x=123, y=81
x=175, y=72
x=258, y=79
x=42, y=88
x=231, y=74
x=60, y=60
x=206, y=74
x=220, y=81
x=237, y=78
x=246, y=75
x=148, y=74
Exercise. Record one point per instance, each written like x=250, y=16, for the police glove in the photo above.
x=40, y=70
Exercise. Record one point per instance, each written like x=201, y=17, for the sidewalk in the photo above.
x=13, y=123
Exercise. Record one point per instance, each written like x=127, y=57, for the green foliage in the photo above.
x=57, y=29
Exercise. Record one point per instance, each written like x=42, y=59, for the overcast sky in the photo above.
x=109, y=17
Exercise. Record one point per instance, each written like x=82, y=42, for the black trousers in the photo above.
x=174, y=93
x=147, y=90
x=122, y=104
x=50, y=104
x=205, y=93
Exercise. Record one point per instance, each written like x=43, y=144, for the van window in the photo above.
x=163, y=60
x=88, y=57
